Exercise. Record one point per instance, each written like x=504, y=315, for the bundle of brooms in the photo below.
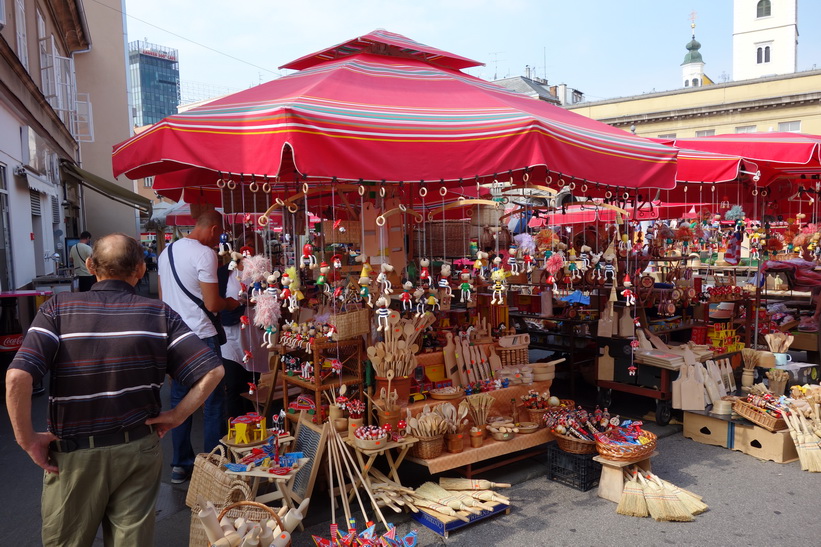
x=804, y=435
x=645, y=494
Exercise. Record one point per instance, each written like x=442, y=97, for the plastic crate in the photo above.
x=578, y=471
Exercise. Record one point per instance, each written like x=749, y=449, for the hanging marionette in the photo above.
x=268, y=313
x=479, y=264
x=465, y=286
x=336, y=261
x=627, y=293
x=406, y=297
x=511, y=259
x=573, y=268
x=382, y=313
x=385, y=284
x=498, y=287
x=235, y=260
x=322, y=280
x=366, y=264
x=431, y=302
x=552, y=267
x=497, y=264
x=585, y=257
x=225, y=247
x=444, y=281
x=595, y=259
x=419, y=296
x=424, y=272
x=365, y=290
x=308, y=259
x=272, y=288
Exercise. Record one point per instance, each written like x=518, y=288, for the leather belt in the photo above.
x=97, y=441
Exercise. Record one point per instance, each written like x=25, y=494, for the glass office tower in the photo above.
x=155, y=82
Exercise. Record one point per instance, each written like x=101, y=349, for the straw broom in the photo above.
x=469, y=484
x=812, y=450
x=439, y=508
x=692, y=504
x=436, y=493
x=654, y=500
x=632, y=502
x=674, y=509
x=799, y=447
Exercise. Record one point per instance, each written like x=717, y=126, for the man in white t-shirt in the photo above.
x=195, y=262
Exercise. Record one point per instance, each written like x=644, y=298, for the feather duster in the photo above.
x=291, y=271
x=554, y=263
x=774, y=244
x=800, y=240
x=809, y=229
x=525, y=243
x=736, y=212
x=684, y=233
x=268, y=310
x=255, y=268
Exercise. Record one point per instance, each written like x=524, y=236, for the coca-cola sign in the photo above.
x=11, y=342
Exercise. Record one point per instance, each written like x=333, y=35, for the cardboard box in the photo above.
x=801, y=373
x=756, y=441
x=709, y=430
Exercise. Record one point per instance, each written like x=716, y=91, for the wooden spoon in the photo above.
x=390, y=375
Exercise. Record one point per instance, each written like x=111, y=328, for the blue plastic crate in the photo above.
x=577, y=471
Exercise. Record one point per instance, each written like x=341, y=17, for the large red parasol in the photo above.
x=383, y=107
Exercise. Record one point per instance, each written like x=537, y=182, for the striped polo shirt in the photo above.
x=108, y=351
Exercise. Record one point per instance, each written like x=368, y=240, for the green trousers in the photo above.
x=115, y=486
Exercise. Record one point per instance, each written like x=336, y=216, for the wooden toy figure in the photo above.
x=498, y=288
x=572, y=266
x=624, y=245
x=419, y=296
x=306, y=370
x=479, y=264
x=511, y=259
x=225, y=244
x=382, y=313
x=627, y=293
x=308, y=258
x=431, y=301
x=444, y=281
x=235, y=260
x=366, y=265
x=385, y=284
x=585, y=256
x=322, y=280
x=272, y=288
x=287, y=296
x=609, y=267
x=406, y=297
x=596, y=261
x=268, y=337
x=336, y=260
x=551, y=280
x=365, y=290
x=424, y=272
x=465, y=286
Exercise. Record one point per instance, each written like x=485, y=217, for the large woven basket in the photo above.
x=239, y=491
x=428, y=447
x=626, y=452
x=575, y=446
x=758, y=416
x=209, y=478
x=251, y=511
x=351, y=324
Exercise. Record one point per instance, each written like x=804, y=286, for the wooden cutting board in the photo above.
x=692, y=392
x=676, y=385
x=494, y=360
x=449, y=356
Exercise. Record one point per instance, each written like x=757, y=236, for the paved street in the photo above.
x=751, y=502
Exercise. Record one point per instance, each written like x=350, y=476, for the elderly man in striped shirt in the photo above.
x=108, y=351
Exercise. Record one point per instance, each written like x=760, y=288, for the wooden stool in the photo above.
x=611, y=482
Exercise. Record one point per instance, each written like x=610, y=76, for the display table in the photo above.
x=367, y=468
x=283, y=484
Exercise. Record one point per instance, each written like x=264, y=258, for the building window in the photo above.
x=148, y=182
x=20, y=26
x=759, y=57
x=686, y=83
x=695, y=82
x=792, y=127
x=745, y=129
x=766, y=54
x=706, y=133
x=763, y=9
x=667, y=136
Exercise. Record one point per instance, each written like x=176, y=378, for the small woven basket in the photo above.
x=537, y=415
x=626, y=452
x=575, y=446
x=758, y=416
x=351, y=324
x=428, y=447
x=251, y=511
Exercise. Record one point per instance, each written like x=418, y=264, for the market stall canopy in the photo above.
x=710, y=167
x=387, y=113
x=112, y=191
x=776, y=154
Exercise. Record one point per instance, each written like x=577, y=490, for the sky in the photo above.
x=604, y=48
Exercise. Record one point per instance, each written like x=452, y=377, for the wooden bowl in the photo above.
x=371, y=444
x=341, y=424
x=527, y=427
x=502, y=436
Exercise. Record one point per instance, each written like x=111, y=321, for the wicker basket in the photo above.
x=626, y=452
x=514, y=356
x=758, y=416
x=348, y=231
x=209, y=478
x=428, y=448
x=351, y=324
x=537, y=415
x=251, y=511
x=448, y=239
x=575, y=446
x=239, y=491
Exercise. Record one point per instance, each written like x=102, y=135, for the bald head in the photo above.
x=210, y=218
x=116, y=256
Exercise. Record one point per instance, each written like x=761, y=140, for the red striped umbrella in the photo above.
x=385, y=108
